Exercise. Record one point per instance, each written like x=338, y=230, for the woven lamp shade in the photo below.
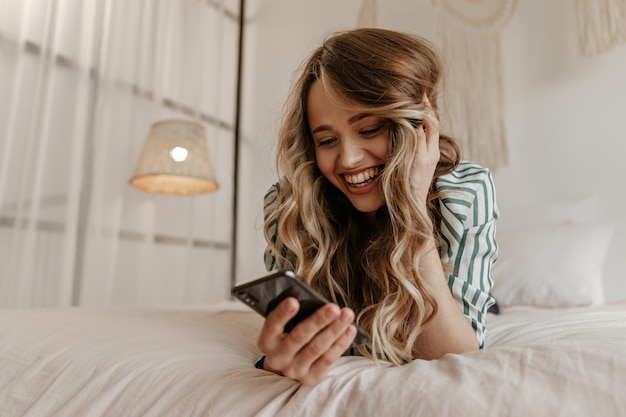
x=175, y=160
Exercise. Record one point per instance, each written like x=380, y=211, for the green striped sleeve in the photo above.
x=268, y=204
x=468, y=228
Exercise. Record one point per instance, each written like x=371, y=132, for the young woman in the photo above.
x=377, y=211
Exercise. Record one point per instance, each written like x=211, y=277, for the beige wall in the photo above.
x=565, y=113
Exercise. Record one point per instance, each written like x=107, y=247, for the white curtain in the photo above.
x=81, y=81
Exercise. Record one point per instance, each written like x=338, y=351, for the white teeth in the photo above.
x=362, y=178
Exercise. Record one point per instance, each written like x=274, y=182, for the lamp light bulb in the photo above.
x=179, y=154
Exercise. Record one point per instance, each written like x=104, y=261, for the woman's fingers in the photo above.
x=313, y=361
x=431, y=124
x=304, y=332
x=431, y=132
x=428, y=135
x=324, y=339
x=321, y=367
x=309, y=350
x=274, y=325
x=427, y=153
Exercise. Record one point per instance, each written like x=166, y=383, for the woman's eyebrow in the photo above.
x=352, y=120
x=358, y=117
x=320, y=128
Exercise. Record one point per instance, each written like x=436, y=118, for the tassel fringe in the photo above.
x=601, y=25
x=472, y=108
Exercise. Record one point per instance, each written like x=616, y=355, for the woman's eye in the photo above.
x=370, y=132
x=325, y=142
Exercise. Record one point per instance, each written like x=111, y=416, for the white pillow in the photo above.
x=551, y=266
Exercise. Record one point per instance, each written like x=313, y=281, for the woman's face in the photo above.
x=351, y=148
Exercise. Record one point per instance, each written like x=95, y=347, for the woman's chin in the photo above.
x=369, y=204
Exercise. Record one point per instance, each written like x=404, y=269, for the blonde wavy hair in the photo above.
x=321, y=236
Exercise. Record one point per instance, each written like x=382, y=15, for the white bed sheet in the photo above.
x=198, y=361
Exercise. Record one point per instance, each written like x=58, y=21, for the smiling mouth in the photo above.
x=363, y=178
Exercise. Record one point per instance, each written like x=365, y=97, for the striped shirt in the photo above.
x=468, y=229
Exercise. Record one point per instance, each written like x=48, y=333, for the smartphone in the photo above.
x=265, y=293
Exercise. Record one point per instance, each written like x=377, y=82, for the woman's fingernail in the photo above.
x=346, y=316
x=331, y=311
x=290, y=306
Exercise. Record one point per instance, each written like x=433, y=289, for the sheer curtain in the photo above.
x=81, y=82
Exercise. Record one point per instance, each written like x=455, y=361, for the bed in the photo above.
x=555, y=349
x=198, y=361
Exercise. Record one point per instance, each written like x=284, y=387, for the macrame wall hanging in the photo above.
x=367, y=15
x=472, y=107
x=601, y=25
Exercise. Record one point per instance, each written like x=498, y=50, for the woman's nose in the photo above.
x=351, y=154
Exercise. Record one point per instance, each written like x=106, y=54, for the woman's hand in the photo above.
x=427, y=155
x=312, y=347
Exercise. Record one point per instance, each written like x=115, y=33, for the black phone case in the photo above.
x=265, y=293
